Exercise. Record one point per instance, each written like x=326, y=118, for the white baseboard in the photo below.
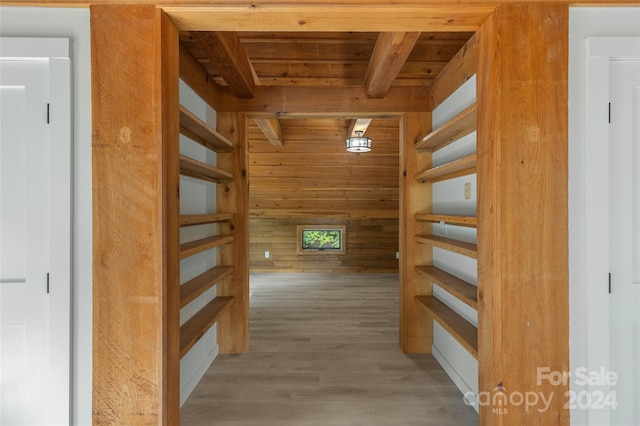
x=453, y=374
x=190, y=384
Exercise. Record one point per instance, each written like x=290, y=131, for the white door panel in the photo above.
x=35, y=236
x=624, y=300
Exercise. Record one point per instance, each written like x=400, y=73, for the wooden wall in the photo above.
x=312, y=179
x=371, y=246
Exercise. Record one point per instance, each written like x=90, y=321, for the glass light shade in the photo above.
x=358, y=143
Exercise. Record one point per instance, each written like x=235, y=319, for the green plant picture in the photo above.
x=321, y=239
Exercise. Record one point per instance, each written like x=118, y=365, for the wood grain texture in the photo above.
x=460, y=167
x=324, y=351
x=416, y=329
x=466, y=292
x=199, y=131
x=457, y=127
x=461, y=330
x=455, y=246
x=389, y=56
x=233, y=197
x=313, y=174
x=371, y=246
x=196, y=326
x=460, y=69
x=195, y=76
x=171, y=205
x=225, y=52
x=271, y=129
x=523, y=272
x=134, y=216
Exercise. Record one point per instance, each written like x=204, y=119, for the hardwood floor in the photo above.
x=324, y=351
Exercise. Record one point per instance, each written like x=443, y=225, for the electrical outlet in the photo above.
x=467, y=190
x=267, y=254
x=397, y=255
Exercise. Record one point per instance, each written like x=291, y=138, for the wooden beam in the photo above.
x=416, y=323
x=358, y=125
x=271, y=129
x=229, y=58
x=233, y=197
x=346, y=16
x=523, y=256
x=389, y=55
x=135, y=216
x=460, y=69
x=278, y=102
x=192, y=73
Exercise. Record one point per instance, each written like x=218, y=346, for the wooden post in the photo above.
x=135, y=216
x=416, y=324
x=522, y=213
x=233, y=326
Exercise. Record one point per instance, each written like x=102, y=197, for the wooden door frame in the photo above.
x=160, y=378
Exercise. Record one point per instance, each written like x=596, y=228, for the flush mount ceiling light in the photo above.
x=358, y=143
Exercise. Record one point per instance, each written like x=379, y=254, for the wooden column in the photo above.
x=416, y=328
x=233, y=326
x=135, y=216
x=522, y=213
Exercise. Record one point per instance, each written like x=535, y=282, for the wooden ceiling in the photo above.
x=374, y=63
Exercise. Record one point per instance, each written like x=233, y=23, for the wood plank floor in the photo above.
x=324, y=351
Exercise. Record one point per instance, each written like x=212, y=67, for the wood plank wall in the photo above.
x=371, y=246
x=312, y=179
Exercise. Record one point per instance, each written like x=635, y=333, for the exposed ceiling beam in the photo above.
x=230, y=59
x=389, y=55
x=278, y=102
x=358, y=125
x=192, y=73
x=271, y=129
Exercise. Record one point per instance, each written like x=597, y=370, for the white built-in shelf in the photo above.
x=199, y=131
x=456, y=246
x=461, y=329
x=199, y=170
x=447, y=218
x=454, y=129
x=462, y=290
x=460, y=167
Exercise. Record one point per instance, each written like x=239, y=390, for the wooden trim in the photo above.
x=134, y=106
x=389, y=55
x=338, y=16
x=416, y=329
x=169, y=69
x=523, y=261
x=460, y=69
x=279, y=102
x=233, y=197
x=319, y=252
x=200, y=132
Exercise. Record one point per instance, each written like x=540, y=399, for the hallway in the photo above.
x=324, y=351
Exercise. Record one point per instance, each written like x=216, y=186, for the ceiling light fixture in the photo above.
x=358, y=143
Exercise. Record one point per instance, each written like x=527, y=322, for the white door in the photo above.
x=34, y=240
x=624, y=259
